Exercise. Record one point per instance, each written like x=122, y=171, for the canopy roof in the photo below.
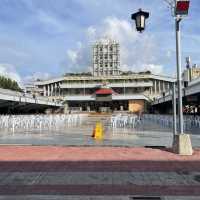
x=104, y=91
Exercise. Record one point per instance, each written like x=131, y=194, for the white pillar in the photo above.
x=151, y=90
x=164, y=86
x=168, y=86
x=59, y=89
x=48, y=90
x=44, y=90
x=55, y=90
x=159, y=88
x=155, y=87
x=51, y=89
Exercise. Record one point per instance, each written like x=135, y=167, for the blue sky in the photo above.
x=46, y=38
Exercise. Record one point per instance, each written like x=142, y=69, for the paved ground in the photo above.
x=64, y=164
x=97, y=171
x=147, y=134
x=75, y=197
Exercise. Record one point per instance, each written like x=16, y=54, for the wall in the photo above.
x=136, y=105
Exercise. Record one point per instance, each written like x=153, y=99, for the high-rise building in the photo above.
x=191, y=72
x=106, y=58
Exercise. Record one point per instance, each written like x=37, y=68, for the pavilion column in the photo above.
x=48, y=90
x=51, y=90
x=151, y=90
x=159, y=88
x=55, y=89
x=44, y=90
x=59, y=89
x=168, y=86
x=163, y=86
x=155, y=87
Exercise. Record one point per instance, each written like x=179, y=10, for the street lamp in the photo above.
x=181, y=10
x=182, y=143
x=140, y=18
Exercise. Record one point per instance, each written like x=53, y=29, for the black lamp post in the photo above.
x=140, y=18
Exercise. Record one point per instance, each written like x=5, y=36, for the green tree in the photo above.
x=7, y=83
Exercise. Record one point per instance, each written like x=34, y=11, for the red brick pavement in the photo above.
x=55, y=159
x=39, y=158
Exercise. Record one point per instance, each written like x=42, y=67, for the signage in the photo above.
x=182, y=7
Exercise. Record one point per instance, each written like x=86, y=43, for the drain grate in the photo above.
x=155, y=147
x=145, y=198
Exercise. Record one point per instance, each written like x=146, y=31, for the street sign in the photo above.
x=182, y=7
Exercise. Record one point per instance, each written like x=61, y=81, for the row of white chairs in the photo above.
x=190, y=122
x=124, y=121
x=40, y=122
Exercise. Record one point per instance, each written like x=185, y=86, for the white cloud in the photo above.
x=9, y=71
x=118, y=29
x=35, y=76
x=91, y=32
x=72, y=55
x=48, y=21
x=137, y=51
x=169, y=54
x=157, y=69
x=78, y=59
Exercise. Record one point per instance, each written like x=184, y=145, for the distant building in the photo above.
x=107, y=88
x=190, y=73
x=106, y=58
x=88, y=93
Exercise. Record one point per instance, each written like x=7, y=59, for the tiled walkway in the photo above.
x=26, y=170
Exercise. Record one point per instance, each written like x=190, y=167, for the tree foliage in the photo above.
x=7, y=83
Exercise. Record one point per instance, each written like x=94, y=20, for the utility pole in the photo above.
x=174, y=108
x=179, y=72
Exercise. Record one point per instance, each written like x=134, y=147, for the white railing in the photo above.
x=113, y=85
x=166, y=121
x=25, y=97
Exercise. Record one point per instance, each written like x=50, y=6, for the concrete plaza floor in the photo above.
x=146, y=134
